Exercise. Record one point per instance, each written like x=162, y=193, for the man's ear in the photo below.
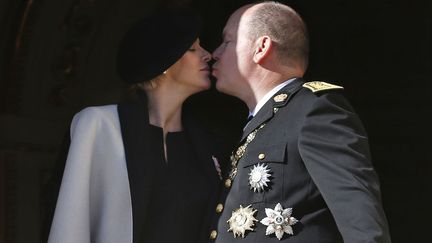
x=264, y=45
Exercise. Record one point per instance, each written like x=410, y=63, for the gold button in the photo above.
x=219, y=208
x=228, y=183
x=261, y=156
x=213, y=234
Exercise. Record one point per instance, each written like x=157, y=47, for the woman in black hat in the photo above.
x=141, y=171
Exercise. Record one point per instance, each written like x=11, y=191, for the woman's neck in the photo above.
x=165, y=108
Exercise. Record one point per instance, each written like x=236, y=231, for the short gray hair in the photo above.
x=285, y=27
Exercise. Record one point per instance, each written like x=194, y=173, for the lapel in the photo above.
x=139, y=148
x=267, y=111
x=203, y=148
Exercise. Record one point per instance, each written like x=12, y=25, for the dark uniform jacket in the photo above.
x=317, y=153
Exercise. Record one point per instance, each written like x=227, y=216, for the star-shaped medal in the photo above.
x=258, y=177
x=242, y=219
x=279, y=221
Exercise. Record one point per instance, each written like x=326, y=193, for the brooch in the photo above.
x=279, y=221
x=217, y=167
x=258, y=177
x=242, y=219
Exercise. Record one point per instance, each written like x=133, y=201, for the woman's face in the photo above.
x=192, y=71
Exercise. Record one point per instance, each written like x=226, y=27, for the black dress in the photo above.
x=180, y=194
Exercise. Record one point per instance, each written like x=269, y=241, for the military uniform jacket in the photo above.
x=103, y=195
x=317, y=154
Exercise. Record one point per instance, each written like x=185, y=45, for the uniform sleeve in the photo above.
x=71, y=222
x=335, y=151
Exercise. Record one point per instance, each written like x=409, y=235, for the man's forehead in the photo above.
x=227, y=33
x=230, y=26
x=234, y=20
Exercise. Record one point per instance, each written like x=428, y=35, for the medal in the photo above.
x=242, y=219
x=258, y=177
x=279, y=221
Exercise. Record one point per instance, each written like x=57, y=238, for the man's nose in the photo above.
x=215, y=54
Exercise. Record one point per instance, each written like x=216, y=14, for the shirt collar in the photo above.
x=267, y=96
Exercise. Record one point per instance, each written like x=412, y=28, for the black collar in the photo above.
x=267, y=111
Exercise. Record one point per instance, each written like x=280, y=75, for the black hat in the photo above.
x=156, y=42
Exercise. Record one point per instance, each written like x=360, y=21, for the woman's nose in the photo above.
x=207, y=56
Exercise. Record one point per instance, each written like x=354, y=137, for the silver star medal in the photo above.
x=242, y=219
x=258, y=177
x=279, y=221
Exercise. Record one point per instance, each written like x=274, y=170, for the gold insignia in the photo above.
x=242, y=219
x=280, y=97
x=317, y=86
x=213, y=234
x=219, y=208
x=228, y=183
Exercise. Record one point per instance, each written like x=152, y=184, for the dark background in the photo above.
x=57, y=56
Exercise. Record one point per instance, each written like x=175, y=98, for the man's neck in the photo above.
x=264, y=98
x=263, y=84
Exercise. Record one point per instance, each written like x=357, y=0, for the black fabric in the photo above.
x=52, y=187
x=266, y=112
x=249, y=118
x=154, y=184
x=180, y=195
x=156, y=42
x=138, y=148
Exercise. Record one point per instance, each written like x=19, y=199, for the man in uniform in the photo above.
x=302, y=170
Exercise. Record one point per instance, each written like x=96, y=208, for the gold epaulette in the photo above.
x=317, y=86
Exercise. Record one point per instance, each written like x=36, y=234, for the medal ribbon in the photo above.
x=235, y=157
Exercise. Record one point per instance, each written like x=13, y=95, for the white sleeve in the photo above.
x=94, y=203
x=71, y=222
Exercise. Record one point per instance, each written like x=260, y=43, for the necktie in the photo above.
x=249, y=118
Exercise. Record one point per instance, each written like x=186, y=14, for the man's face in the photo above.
x=233, y=57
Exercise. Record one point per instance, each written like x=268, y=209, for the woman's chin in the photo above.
x=205, y=83
x=203, y=86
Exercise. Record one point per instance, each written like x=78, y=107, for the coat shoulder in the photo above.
x=93, y=117
x=97, y=113
x=320, y=86
x=101, y=112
